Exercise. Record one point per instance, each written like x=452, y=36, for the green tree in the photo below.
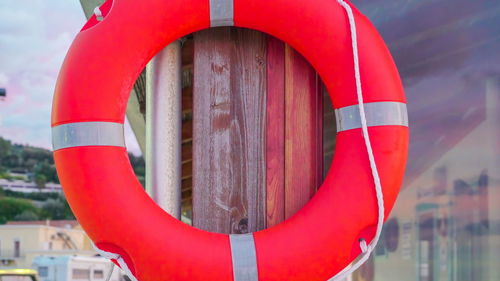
x=35, y=196
x=54, y=209
x=47, y=169
x=27, y=215
x=5, y=148
x=40, y=181
x=68, y=213
x=11, y=207
x=138, y=165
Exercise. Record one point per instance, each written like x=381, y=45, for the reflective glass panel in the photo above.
x=446, y=223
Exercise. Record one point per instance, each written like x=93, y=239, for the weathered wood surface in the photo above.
x=229, y=129
x=294, y=141
x=303, y=155
x=275, y=132
x=258, y=139
x=329, y=128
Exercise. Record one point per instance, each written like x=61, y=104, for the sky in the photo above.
x=35, y=35
x=34, y=38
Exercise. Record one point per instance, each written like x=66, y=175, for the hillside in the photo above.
x=28, y=163
x=38, y=163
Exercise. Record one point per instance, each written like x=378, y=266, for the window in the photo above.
x=81, y=274
x=17, y=248
x=43, y=271
x=98, y=274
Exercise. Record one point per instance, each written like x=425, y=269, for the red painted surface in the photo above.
x=302, y=138
x=294, y=132
x=275, y=128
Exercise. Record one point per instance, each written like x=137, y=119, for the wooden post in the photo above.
x=303, y=139
x=228, y=131
x=275, y=132
x=294, y=132
x=257, y=148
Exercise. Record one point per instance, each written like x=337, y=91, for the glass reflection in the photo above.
x=446, y=223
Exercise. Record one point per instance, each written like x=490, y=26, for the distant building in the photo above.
x=20, y=174
x=21, y=242
x=28, y=187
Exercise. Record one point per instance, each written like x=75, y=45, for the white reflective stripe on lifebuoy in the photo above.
x=244, y=257
x=87, y=134
x=221, y=13
x=377, y=114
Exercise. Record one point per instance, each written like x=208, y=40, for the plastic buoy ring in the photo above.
x=315, y=244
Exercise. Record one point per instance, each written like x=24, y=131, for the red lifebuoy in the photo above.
x=315, y=244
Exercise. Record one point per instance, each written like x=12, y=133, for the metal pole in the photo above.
x=163, y=129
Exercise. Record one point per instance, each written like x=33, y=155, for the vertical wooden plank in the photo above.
x=229, y=129
x=187, y=128
x=302, y=139
x=275, y=136
x=329, y=131
x=319, y=111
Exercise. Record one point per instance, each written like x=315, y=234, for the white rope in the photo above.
x=110, y=273
x=366, y=249
x=98, y=14
x=121, y=262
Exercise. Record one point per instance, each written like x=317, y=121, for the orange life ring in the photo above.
x=321, y=239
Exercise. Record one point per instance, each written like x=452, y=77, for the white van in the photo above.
x=75, y=268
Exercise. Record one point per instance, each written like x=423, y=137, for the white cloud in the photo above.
x=34, y=38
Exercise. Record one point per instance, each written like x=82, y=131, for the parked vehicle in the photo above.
x=75, y=268
x=18, y=274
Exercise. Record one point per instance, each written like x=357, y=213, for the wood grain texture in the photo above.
x=302, y=133
x=187, y=124
x=329, y=131
x=319, y=141
x=229, y=130
x=275, y=132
